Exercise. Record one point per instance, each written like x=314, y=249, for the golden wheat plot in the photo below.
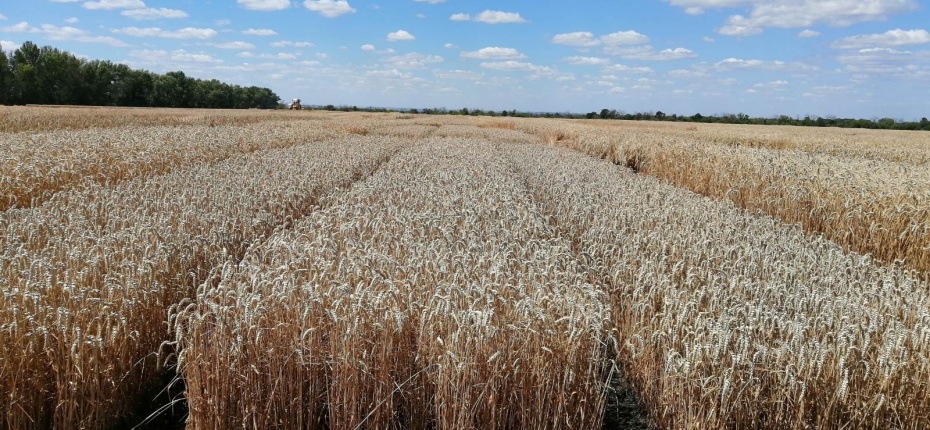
x=37, y=165
x=432, y=295
x=871, y=206
x=88, y=277
x=730, y=320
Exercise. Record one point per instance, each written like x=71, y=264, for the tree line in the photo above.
x=47, y=75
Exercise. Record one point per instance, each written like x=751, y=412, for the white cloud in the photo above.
x=154, y=13
x=465, y=75
x=222, y=22
x=7, y=45
x=22, y=27
x=743, y=64
x=778, y=85
x=184, y=33
x=412, y=60
x=493, y=53
x=586, y=61
x=292, y=44
x=490, y=17
x=242, y=46
x=797, y=13
x=586, y=38
x=430, y=1
x=739, y=26
x=626, y=69
x=260, y=32
x=2, y=18
x=624, y=38
x=64, y=1
x=708, y=39
x=887, y=61
x=56, y=33
x=177, y=56
x=391, y=73
x=647, y=53
x=72, y=20
x=578, y=38
x=806, y=34
x=515, y=66
x=264, y=4
x=113, y=4
x=329, y=8
x=368, y=47
x=895, y=37
x=499, y=17
x=400, y=36
x=449, y=46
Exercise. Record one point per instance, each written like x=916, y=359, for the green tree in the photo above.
x=5, y=77
x=25, y=84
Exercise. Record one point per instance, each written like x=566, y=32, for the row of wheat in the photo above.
x=729, y=320
x=886, y=145
x=15, y=119
x=38, y=165
x=870, y=206
x=432, y=295
x=87, y=278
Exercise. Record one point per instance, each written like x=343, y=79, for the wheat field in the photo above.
x=353, y=270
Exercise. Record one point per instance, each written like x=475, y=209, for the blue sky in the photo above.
x=868, y=58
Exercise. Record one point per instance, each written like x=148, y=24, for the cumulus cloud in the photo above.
x=264, y=5
x=184, y=33
x=806, y=34
x=412, y=60
x=430, y=1
x=624, y=38
x=21, y=27
x=730, y=64
x=2, y=18
x=493, y=53
x=465, y=75
x=515, y=66
x=622, y=68
x=177, y=56
x=368, y=47
x=896, y=37
x=586, y=38
x=329, y=8
x=259, y=32
x=113, y=4
x=242, y=46
x=154, y=13
x=56, y=33
x=292, y=44
x=7, y=45
x=586, y=61
x=490, y=17
x=400, y=36
x=577, y=38
x=797, y=13
x=647, y=53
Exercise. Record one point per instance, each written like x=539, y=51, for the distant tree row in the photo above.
x=46, y=75
x=741, y=118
